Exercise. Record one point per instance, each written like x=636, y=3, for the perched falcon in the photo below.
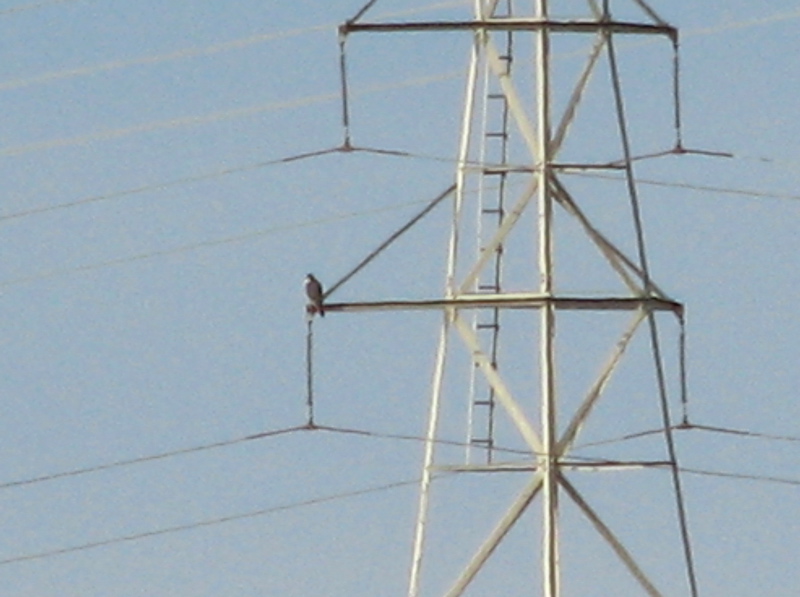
x=314, y=292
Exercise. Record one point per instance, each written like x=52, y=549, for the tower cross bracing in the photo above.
x=512, y=157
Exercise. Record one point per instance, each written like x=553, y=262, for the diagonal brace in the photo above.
x=610, y=538
x=496, y=536
x=511, y=95
x=596, y=390
x=504, y=396
x=500, y=235
x=616, y=258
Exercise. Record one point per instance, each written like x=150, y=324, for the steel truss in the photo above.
x=542, y=135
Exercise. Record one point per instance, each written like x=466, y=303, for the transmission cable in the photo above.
x=247, y=236
x=377, y=151
x=181, y=54
x=150, y=458
x=308, y=502
x=694, y=186
x=210, y=522
x=688, y=426
x=741, y=476
x=193, y=52
x=216, y=116
x=240, y=112
x=168, y=183
x=366, y=433
x=27, y=7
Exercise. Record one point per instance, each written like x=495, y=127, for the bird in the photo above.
x=315, y=295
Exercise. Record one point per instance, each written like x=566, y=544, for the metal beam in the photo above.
x=509, y=221
x=504, y=395
x=569, y=465
x=515, y=103
x=496, y=536
x=615, y=544
x=515, y=24
x=428, y=459
x=582, y=413
x=515, y=300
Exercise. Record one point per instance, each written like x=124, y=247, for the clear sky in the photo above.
x=155, y=245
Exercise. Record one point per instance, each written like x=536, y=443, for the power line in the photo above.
x=360, y=433
x=142, y=459
x=216, y=116
x=213, y=174
x=172, y=123
x=755, y=22
x=167, y=184
x=34, y=6
x=741, y=476
x=210, y=522
x=291, y=505
x=306, y=503
x=221, y=115
x=181, y=54
x=741, y=432
x=209, y=175
x=192, y=52
x=122, y=463
x=695, y=187
x=247, y=236
x=690, y=427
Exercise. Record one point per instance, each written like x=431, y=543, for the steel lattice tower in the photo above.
x=512, y=138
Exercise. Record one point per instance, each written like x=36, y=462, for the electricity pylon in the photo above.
x=510, y=157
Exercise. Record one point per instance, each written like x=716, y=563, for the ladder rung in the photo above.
x=488, y=326
x=482, y=442
x=496, y=96
x=491, y=210
x=483, y=403
x=497, y=135
x=492, y=287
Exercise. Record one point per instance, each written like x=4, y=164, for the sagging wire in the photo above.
x=150, y=458
x=169, y=183
x=207, y=523
x=33, y=6
x=741, y=432
x=77, y=472
x=308, y=502
x=741, y=476
x=688, y=426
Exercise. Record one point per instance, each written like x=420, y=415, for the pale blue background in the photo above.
x=170, y=348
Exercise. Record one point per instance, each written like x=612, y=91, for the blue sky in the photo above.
x=155, y=249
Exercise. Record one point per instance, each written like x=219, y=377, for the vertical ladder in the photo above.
x=491, y=210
